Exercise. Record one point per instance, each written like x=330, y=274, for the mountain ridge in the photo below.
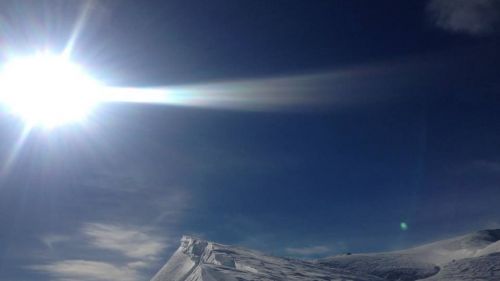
x=468, y=257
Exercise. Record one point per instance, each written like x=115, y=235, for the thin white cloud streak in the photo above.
x=138, y=265
x=474, y=17
x=308, y=251
x=131, y=242
x=288, y=93
x=84, y=270
x=53, y=239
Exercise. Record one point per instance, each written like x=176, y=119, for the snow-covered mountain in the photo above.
x=474, y=256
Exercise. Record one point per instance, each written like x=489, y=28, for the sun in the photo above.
x=47, y=90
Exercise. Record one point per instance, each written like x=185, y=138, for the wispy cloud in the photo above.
x=84, y=270
x=131, y=242
x=138, y=264
x=132, y=248
x=492, y=225
x=308, y=251
x=474, y=17
x=52, y=239
x=490, y=166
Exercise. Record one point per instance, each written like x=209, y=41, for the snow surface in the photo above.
x=470, y=257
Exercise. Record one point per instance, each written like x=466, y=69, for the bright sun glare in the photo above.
x=47, y=90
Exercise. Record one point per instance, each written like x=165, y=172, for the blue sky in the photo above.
x=398, y=122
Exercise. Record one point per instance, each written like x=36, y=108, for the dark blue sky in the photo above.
x=414, y=137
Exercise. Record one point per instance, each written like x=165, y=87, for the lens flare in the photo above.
x=404, y=226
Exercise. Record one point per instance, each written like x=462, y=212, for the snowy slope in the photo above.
x=470, y=269
x=420, y=262
x=471, y=257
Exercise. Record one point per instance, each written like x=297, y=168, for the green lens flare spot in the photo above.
x=404, y=226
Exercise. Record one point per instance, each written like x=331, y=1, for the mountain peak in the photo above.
x=200, y=260
x=193, y=246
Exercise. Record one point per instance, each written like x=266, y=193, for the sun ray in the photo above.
x=78, y=28
x=12, y=156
